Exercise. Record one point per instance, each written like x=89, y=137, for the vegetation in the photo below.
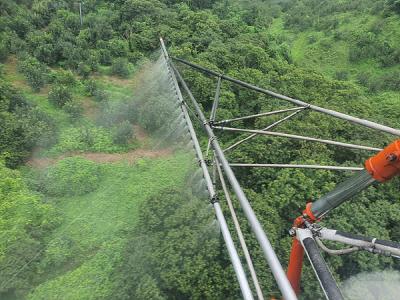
x=71, y=176
x=60, y=95
x=25, y=224
x=77, y=228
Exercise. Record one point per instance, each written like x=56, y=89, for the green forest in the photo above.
x=98, y=200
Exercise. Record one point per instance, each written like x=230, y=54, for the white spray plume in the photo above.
x=383, y=285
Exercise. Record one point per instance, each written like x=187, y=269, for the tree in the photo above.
x=4, y=47
x=73, y=108
x=35, y=73
x=21, y=126
x=26, y=222
x=123, y=133
x=393, y=5
x=65, y=78
x=59, y=95
x=120, y=67
x=148, y=289
x=84, y=70
x=174, y=257
x=43, y=46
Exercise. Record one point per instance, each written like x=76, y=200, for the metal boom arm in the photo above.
x=269, y=253
x=240, y=274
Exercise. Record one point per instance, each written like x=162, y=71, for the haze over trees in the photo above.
x=80, y=229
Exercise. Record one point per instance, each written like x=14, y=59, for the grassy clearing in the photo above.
x=87, y=246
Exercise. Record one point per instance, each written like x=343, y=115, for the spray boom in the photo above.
x=379, y=168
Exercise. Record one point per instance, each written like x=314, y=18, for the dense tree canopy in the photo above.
x=175, y=251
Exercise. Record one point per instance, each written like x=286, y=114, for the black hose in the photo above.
x=325, y=277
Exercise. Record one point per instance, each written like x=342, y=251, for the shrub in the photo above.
x=393, y=5
x=341, y=75
x=4, y=52
x=391, y=81
x=86, y=138
x=389, y=56
x=72, y=176
x=84, y=69
x=34, y=72
x=120, y=67
x=123, y=133
x=59, y=95
x=363, y=78
x=66, y=78
x=91, y=86
x=26, y=221
x=311, y=39
x=100, y=95
x=73, y=108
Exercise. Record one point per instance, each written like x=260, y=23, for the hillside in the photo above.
x=101, y=196
x=355, y=41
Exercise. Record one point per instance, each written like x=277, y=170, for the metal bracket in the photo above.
x=208, y=162
x=214, y=199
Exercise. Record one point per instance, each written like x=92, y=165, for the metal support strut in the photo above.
x=379, y=168
x=332, y=113
x=237, y=266
x=269, y=253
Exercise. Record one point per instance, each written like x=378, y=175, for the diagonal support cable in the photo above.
x=214, y=109
x=216, y=100
x=266, y=128
x=269, y=113
x=332, y=113
x=299, y=137
x=318, y=167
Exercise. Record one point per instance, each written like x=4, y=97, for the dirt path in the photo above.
x=129, y=157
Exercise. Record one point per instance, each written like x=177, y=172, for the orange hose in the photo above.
x=295, y=265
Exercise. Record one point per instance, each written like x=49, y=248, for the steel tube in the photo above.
x=319, y=167
x=236, y=263
x=325, y=278
x=335, y=251
x=269, y=253
x=266, y=128
x=239, y=232
x=333, y=113
x=299, y=137
x=269, y=113
x=360, y=241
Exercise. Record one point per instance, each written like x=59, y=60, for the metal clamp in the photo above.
x=214, y=199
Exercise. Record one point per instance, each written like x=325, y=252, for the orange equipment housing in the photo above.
x=386, y=164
